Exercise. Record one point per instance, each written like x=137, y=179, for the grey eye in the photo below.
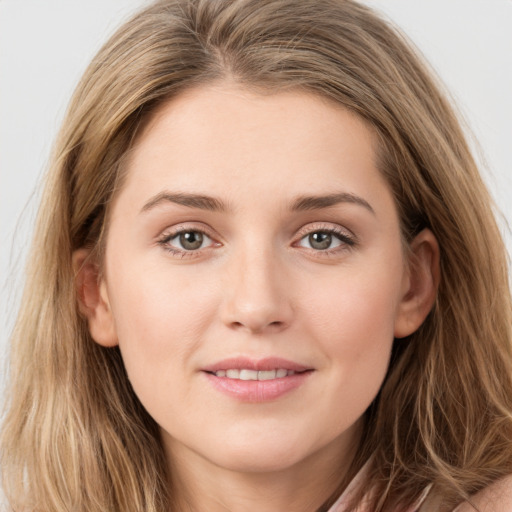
x=189, y=240
x=321, y=240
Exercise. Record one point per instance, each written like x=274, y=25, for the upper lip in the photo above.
x=268, y=363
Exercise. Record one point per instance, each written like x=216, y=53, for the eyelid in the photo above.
x=172, y=232
x=347, y=237
x=313, y=227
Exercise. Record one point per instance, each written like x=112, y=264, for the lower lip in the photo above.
x=258, y=390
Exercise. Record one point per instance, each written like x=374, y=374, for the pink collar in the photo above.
x=342, y=502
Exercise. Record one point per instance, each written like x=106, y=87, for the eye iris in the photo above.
x=320, y=240
x=191, y=240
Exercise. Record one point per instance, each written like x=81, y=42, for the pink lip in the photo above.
x=255, y=390
x=268, y=363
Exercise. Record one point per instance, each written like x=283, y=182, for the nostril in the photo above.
x=257, y=327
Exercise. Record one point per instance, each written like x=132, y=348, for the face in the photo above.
x=254, y=276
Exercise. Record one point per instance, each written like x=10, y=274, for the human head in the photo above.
x=338, y=50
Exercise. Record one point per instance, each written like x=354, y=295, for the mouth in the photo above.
x=247, y=374
x=257, y=380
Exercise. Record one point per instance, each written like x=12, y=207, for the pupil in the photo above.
x=191, y=240
x=320, y=240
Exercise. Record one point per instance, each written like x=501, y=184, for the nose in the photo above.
x=256, y=294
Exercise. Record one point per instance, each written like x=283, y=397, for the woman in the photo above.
x=266, y=275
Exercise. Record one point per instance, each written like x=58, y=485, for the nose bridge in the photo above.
x=256, y=299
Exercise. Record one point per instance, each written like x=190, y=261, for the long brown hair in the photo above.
x=75, y=437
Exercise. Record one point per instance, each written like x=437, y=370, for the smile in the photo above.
x=261, y=380
x=247, y=374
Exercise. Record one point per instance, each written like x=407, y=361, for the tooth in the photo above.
x=248, y=375
x=266, y=375
x=245, y=374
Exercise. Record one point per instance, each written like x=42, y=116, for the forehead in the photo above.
x=221, y=138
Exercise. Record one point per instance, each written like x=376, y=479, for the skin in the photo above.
x=497, y=497
x=257, y=287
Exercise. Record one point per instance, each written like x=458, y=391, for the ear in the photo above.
x=93, y=300
x=420, y=284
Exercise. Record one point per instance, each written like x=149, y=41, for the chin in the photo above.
x=261, y=454
x=256, y=462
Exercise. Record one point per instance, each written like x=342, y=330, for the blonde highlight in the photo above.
x=75, y=436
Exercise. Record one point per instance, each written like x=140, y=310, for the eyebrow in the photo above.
x=304, y=203
x=209, y=203
x=191, y=200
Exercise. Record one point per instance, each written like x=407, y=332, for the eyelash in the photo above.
x=347, y=241
x=165, y=240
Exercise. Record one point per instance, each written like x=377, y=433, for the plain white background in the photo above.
x=46, y=44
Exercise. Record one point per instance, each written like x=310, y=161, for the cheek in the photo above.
x=159, y=320
x=158, y=299
x=355, y=301
x=353, y=320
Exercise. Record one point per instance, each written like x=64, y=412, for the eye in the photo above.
x=325, y=240
x=186, y=240
x=190, y=240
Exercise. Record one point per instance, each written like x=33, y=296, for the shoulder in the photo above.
x=495, y=498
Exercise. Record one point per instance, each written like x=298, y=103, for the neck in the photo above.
x=199, y=484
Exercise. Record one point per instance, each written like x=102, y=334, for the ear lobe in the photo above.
x=93, y=300
x=420, y=285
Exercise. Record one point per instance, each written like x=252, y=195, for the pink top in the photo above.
x=342, y=501
x=498, y=496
